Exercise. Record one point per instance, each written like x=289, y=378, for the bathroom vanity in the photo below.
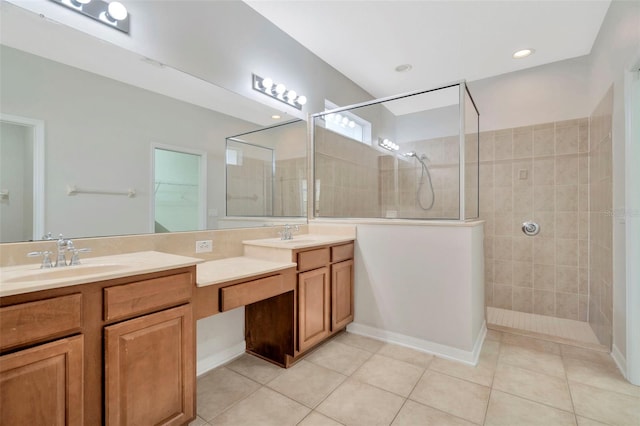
x=72, y=352
x=84, y=345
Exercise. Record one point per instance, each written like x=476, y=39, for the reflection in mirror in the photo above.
x=100, y=130
x=178, y=193
x=21, y=191
x=267, y=172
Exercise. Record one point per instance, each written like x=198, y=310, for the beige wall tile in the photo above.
x=544, y=277
x=503, y=145
x=544, y=171
x=502, y=174
x=543, y=302
x=547, y=222
x=544, y=251
x=523, y=274
x=503, y=273
x=523, y=143
x=502, y=296
x=503, y=200
x=567, y=252
x=567, y=225
x=543, y=141
x=567, y=279
x=544, y=198
x=523, y=299
x=567, y=305
x=567, y=170
x=567, y=198
x=567, y=139
x=503, y=248
x=523, y=249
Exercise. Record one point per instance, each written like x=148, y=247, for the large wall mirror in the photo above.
x=104, y=110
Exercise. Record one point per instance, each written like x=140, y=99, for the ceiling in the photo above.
x=444, y=41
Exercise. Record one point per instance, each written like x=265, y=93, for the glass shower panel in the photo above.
x=407, y=166
x=267, y=172
x=471, y=156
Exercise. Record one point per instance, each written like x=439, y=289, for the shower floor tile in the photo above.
x=533, y=325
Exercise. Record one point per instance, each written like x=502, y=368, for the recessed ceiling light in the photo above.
x=276, y=117
x=523, y=53
x=404, y=68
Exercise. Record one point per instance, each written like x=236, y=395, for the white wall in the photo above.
x=616, y=48
x=421, y=286
x=547, y=93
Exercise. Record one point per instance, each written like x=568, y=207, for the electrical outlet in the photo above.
x=204, y=246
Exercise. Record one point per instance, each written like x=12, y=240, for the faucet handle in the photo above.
x=75, y=260
x=46, y=258
x=48, y=236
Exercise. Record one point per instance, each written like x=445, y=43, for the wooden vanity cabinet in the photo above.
x=114, y=352
x=325, y=293
x=41, y=369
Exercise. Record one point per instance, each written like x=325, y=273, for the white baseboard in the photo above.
x=443, y=351
x=219, y=358
x=619, y=359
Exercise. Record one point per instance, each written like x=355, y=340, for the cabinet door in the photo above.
x=150, y=369
x=43, y=385
x=313, y=307
x=341, y=294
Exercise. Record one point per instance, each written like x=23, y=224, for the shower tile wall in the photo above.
x=400, y=196
x=601, y=226
x=346, y=177
x=536, y=173
x=249, y=188
x=289, y=187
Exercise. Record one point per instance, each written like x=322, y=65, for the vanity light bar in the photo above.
x=278, y=91
x=388, y=144
x=112, y=14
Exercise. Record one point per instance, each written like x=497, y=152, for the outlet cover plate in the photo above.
x=204, y=246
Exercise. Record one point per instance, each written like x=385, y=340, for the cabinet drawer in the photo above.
x=145, y=296
x=343, y=252
x=312, y=259
x=41, y=320
x=253, y=291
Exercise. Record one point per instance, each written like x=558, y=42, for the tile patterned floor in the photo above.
x=353, y=380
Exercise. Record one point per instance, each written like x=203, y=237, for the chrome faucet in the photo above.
x=287, y=232
x=61, y=258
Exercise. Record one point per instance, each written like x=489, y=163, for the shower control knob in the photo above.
x=530, y=228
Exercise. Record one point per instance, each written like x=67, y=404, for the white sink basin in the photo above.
x=64, y=272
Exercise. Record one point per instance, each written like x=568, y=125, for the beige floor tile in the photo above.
x=605, y=406
x=307, y=383
x=316, y=419
x=600, y=376
x=510, y=410
x=264, y=407
x=454, y=396
x=255, y=368
x=489, y=353
x=481, y=374
x=538, y=387
x=401, y=353
x=339, y=357
x=357, y=403
x=198, y=422
x=220, y=389
x=531, y=359
x=414, y=414
x=494, y=335
x=597, y=357
x=528, y=342
x=389, y=374
x=360, y=342
x=583, y=421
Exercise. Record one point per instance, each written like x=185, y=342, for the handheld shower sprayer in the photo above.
x=423, y=174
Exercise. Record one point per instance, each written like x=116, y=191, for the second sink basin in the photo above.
x=64, y=272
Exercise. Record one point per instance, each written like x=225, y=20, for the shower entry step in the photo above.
x=560, y=330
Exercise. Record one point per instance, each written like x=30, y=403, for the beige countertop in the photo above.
x=29, y=278
x=235, y=268
x=300, y=241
